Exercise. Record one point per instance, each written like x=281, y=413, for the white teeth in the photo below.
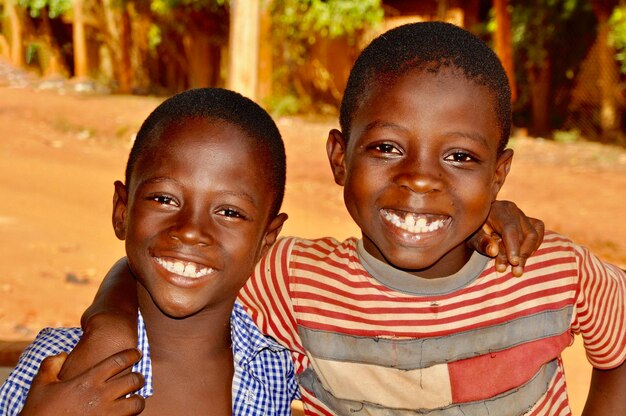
x=413, y=223
x=192, y=270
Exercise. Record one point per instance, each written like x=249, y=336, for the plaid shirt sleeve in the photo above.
x=264, y=382
x=50, y=341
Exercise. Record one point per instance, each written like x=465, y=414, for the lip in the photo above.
x=414, y=227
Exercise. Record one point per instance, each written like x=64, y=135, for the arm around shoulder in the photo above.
x=109, y=324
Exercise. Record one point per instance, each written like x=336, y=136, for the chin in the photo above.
x=178, y=311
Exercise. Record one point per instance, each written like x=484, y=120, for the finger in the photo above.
x=511, y=239
x=124, y=385
x=502, y=261
x=115, y=364
x=484, y=242
x=50, y=368
x=487, y=228
x=533, y=236
x=128, y=406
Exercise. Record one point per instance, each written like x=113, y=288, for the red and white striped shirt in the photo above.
x=370, y=339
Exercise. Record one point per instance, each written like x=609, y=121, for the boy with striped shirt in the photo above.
x=408, y=319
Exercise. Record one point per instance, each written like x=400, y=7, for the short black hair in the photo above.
x=220, y=105
x=428, y=46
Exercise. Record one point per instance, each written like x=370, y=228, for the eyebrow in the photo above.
x=474, y=136
x=161, y=179
x=378, y=124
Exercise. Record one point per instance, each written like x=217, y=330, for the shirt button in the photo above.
x=249, y=397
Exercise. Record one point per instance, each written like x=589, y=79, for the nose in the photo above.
x=191, y=227
x=419, y=175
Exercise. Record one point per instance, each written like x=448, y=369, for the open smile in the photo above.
x=415, y=223
x=184, y=268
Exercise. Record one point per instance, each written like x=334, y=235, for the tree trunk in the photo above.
x=81, y=67
x=243, y=53
x=15, y=21
x=471, y=15
x=608, y=83
x=118, y=40
x=53, y=59
x=125, y=72
x=200, y=59
x=540, y=83
x=503, y=42
x=265, y=53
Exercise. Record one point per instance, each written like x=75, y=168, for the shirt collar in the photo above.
x=144, y=365
x=247, y=341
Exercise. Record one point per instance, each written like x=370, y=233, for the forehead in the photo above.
x=203, y=150
x=428, y=102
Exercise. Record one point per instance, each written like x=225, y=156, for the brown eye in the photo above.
x=460, y=157
x=231, y=213
x=386, y=148
x=163, y=199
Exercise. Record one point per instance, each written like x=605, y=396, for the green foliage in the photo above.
x=163, y=7
x=617, y=35
x=55, y=8
x=305, y=20
x=298, y=24
x=32, y=53
x=541, y=26
x=154, y=37
x=557, y=33
x=284, y=105
x=566, y=136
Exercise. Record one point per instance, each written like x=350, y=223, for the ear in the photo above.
x=120, y=207
x=503, y=166
x=271, y=233
x=336, y=150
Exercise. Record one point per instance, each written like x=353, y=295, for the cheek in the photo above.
x=361, y=185
x=476, y=197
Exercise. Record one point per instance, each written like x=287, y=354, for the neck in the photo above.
x=203, y=335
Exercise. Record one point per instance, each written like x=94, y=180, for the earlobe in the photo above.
x=503, y=166
x=336, y=150
x=271, y=233
x=120, y=204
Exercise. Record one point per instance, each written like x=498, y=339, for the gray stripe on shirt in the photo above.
x=410, y=354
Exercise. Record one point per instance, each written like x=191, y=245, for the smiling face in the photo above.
x=196, y=217
x=421, y=169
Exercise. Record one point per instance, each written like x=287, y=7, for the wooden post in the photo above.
x=81, y=68
x=17, y=51
x=265, y=53
x=243, y=48
x=503, y=42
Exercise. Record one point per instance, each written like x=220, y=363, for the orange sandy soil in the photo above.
x=59, y=155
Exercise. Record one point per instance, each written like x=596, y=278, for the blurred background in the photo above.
x=565, y=58
x=77, y=78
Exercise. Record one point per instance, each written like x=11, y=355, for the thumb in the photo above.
x=485, y=242
x=51, y=367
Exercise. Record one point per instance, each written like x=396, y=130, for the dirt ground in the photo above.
x=60, y=153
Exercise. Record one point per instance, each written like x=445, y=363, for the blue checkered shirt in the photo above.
x=263, y=383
